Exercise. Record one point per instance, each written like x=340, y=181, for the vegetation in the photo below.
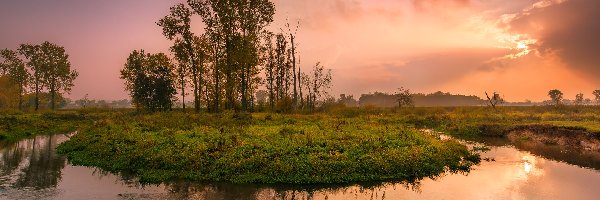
x=494, y=100
x=478, y=121
x=14, y=126
x=556, y=96
x=404, y=98
x=265, y=148
x=149, y=80
x=42, y=67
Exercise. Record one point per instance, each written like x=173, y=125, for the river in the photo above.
x=31, y=169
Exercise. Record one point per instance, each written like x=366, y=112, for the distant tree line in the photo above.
x=39, y=70
x=557, y=98
x=404, y=98
x=226, y=65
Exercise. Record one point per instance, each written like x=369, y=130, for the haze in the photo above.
x=520, y=48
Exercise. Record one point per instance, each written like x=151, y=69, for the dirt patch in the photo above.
x=564, y=136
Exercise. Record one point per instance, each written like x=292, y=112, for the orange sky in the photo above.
x=520, y=48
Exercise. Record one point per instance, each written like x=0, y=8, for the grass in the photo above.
x=15, y=126
x=265, y=148
x=341, y=145
x=483, y=121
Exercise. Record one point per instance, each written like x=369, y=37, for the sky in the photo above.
x=519, y=48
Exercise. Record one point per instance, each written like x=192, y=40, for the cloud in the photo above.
x=421, y=73
x=567, y=29
x=430, y=4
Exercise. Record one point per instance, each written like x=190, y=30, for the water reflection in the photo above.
x=31, y=163
x=583, y=158
x=30, y=169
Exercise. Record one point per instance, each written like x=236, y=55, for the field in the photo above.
x=341, y=145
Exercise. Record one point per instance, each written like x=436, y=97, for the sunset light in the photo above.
x=300, y=99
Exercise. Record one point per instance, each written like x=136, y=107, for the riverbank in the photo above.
x=571, y=127
x=265, y=148
x=343, y=145
x=16, y=126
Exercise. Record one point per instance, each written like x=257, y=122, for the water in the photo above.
x=30, y=169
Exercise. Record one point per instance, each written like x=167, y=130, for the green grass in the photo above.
x=484, y=121
x=341, y=145
x=265, y=148
x=15, y=126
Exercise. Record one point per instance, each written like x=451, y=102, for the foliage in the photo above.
x=316, y=84
x=233, y=30
x=596, y=94
x=14, y=68
x=51, y=69
x=14, y=126
x=556, y=96
x=439, y=98
x=403, y=97
x=149, y=79
x=579, y=99
x=294, y=149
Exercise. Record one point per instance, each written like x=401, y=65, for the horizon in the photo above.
x=521, y=49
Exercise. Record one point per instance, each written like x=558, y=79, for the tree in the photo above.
x=51, y=69
x=316, y=83
x=270, y=67
x=556, y=96
x=83, y=102
x=494, y=100
x=149, y=79
x=233, y=27
x=14, y=67
x=596, y=94
x=579, y=99
x=347, y=100
x=403, y=97
x=177, y=26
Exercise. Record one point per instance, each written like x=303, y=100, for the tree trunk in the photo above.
x=21, y=97
x=53, y=94
x=37, y=94
x=182, y=87
x=294, y=68
x=216, y=71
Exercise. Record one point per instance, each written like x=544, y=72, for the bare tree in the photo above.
x=494, y=100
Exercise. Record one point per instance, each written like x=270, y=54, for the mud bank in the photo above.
x=552, y=135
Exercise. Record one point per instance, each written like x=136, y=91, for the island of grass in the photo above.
x=265, y=148
x=338, y=145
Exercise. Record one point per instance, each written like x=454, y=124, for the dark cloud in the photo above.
x=570, y=30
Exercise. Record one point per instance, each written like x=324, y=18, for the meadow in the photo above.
x=338, y=145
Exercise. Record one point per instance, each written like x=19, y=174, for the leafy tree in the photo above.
x=596, y=94
x=556, y=96
x=233, y=27
x=403, y=97
x=348, y=100
x=579, y=99
x=177, y=26
x=494, y=100
x=270, y=67
x=14, y=67
x=149, y=79
x=51, y=69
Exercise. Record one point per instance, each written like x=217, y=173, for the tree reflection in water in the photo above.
x=31, y=163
